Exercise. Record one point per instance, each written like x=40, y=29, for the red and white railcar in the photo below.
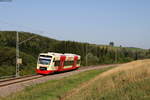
x=56, y=62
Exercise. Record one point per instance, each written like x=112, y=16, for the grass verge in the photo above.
x=130, y=81
x=55, y=89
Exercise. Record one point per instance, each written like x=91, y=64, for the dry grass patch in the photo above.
x=116, y=81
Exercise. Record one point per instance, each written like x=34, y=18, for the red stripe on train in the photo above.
x=52, y=71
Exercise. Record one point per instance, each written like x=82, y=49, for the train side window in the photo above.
x=67, y=63
x=72, y=62
x=57, y=63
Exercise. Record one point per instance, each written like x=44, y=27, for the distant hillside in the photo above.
x=32, y=47
x=95, y=54
x=128, y=82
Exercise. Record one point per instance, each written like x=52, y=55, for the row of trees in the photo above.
x=91, y=54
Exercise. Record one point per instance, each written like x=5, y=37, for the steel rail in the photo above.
x=19, y=80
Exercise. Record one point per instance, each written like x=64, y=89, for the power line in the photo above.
x=27, y=39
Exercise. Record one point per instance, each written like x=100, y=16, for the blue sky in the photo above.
x=125, y=22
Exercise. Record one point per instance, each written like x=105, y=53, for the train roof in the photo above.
x=59, y=54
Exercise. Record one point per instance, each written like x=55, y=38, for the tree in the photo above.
x=91, y=59
x=111, y=44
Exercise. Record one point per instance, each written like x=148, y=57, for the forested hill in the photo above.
x=95, y=54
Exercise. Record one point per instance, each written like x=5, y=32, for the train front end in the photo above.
x=44, y=64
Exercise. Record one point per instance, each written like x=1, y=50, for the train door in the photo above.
x=62, y=59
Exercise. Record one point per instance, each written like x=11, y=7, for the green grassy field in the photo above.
x=128, y=82
x=55, y=89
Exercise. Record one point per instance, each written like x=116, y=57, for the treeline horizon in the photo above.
x=91, y=54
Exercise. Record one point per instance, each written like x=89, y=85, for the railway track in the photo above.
x=6, y=82
x=11, y=81
x=14, y=85
x=13, y=78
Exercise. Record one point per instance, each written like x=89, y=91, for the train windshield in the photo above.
x=44, y=61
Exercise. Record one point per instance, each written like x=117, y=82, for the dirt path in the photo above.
x=7, y=90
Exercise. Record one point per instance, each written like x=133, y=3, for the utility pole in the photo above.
x=17, y=54
x=86, y=57
x=18, y=59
